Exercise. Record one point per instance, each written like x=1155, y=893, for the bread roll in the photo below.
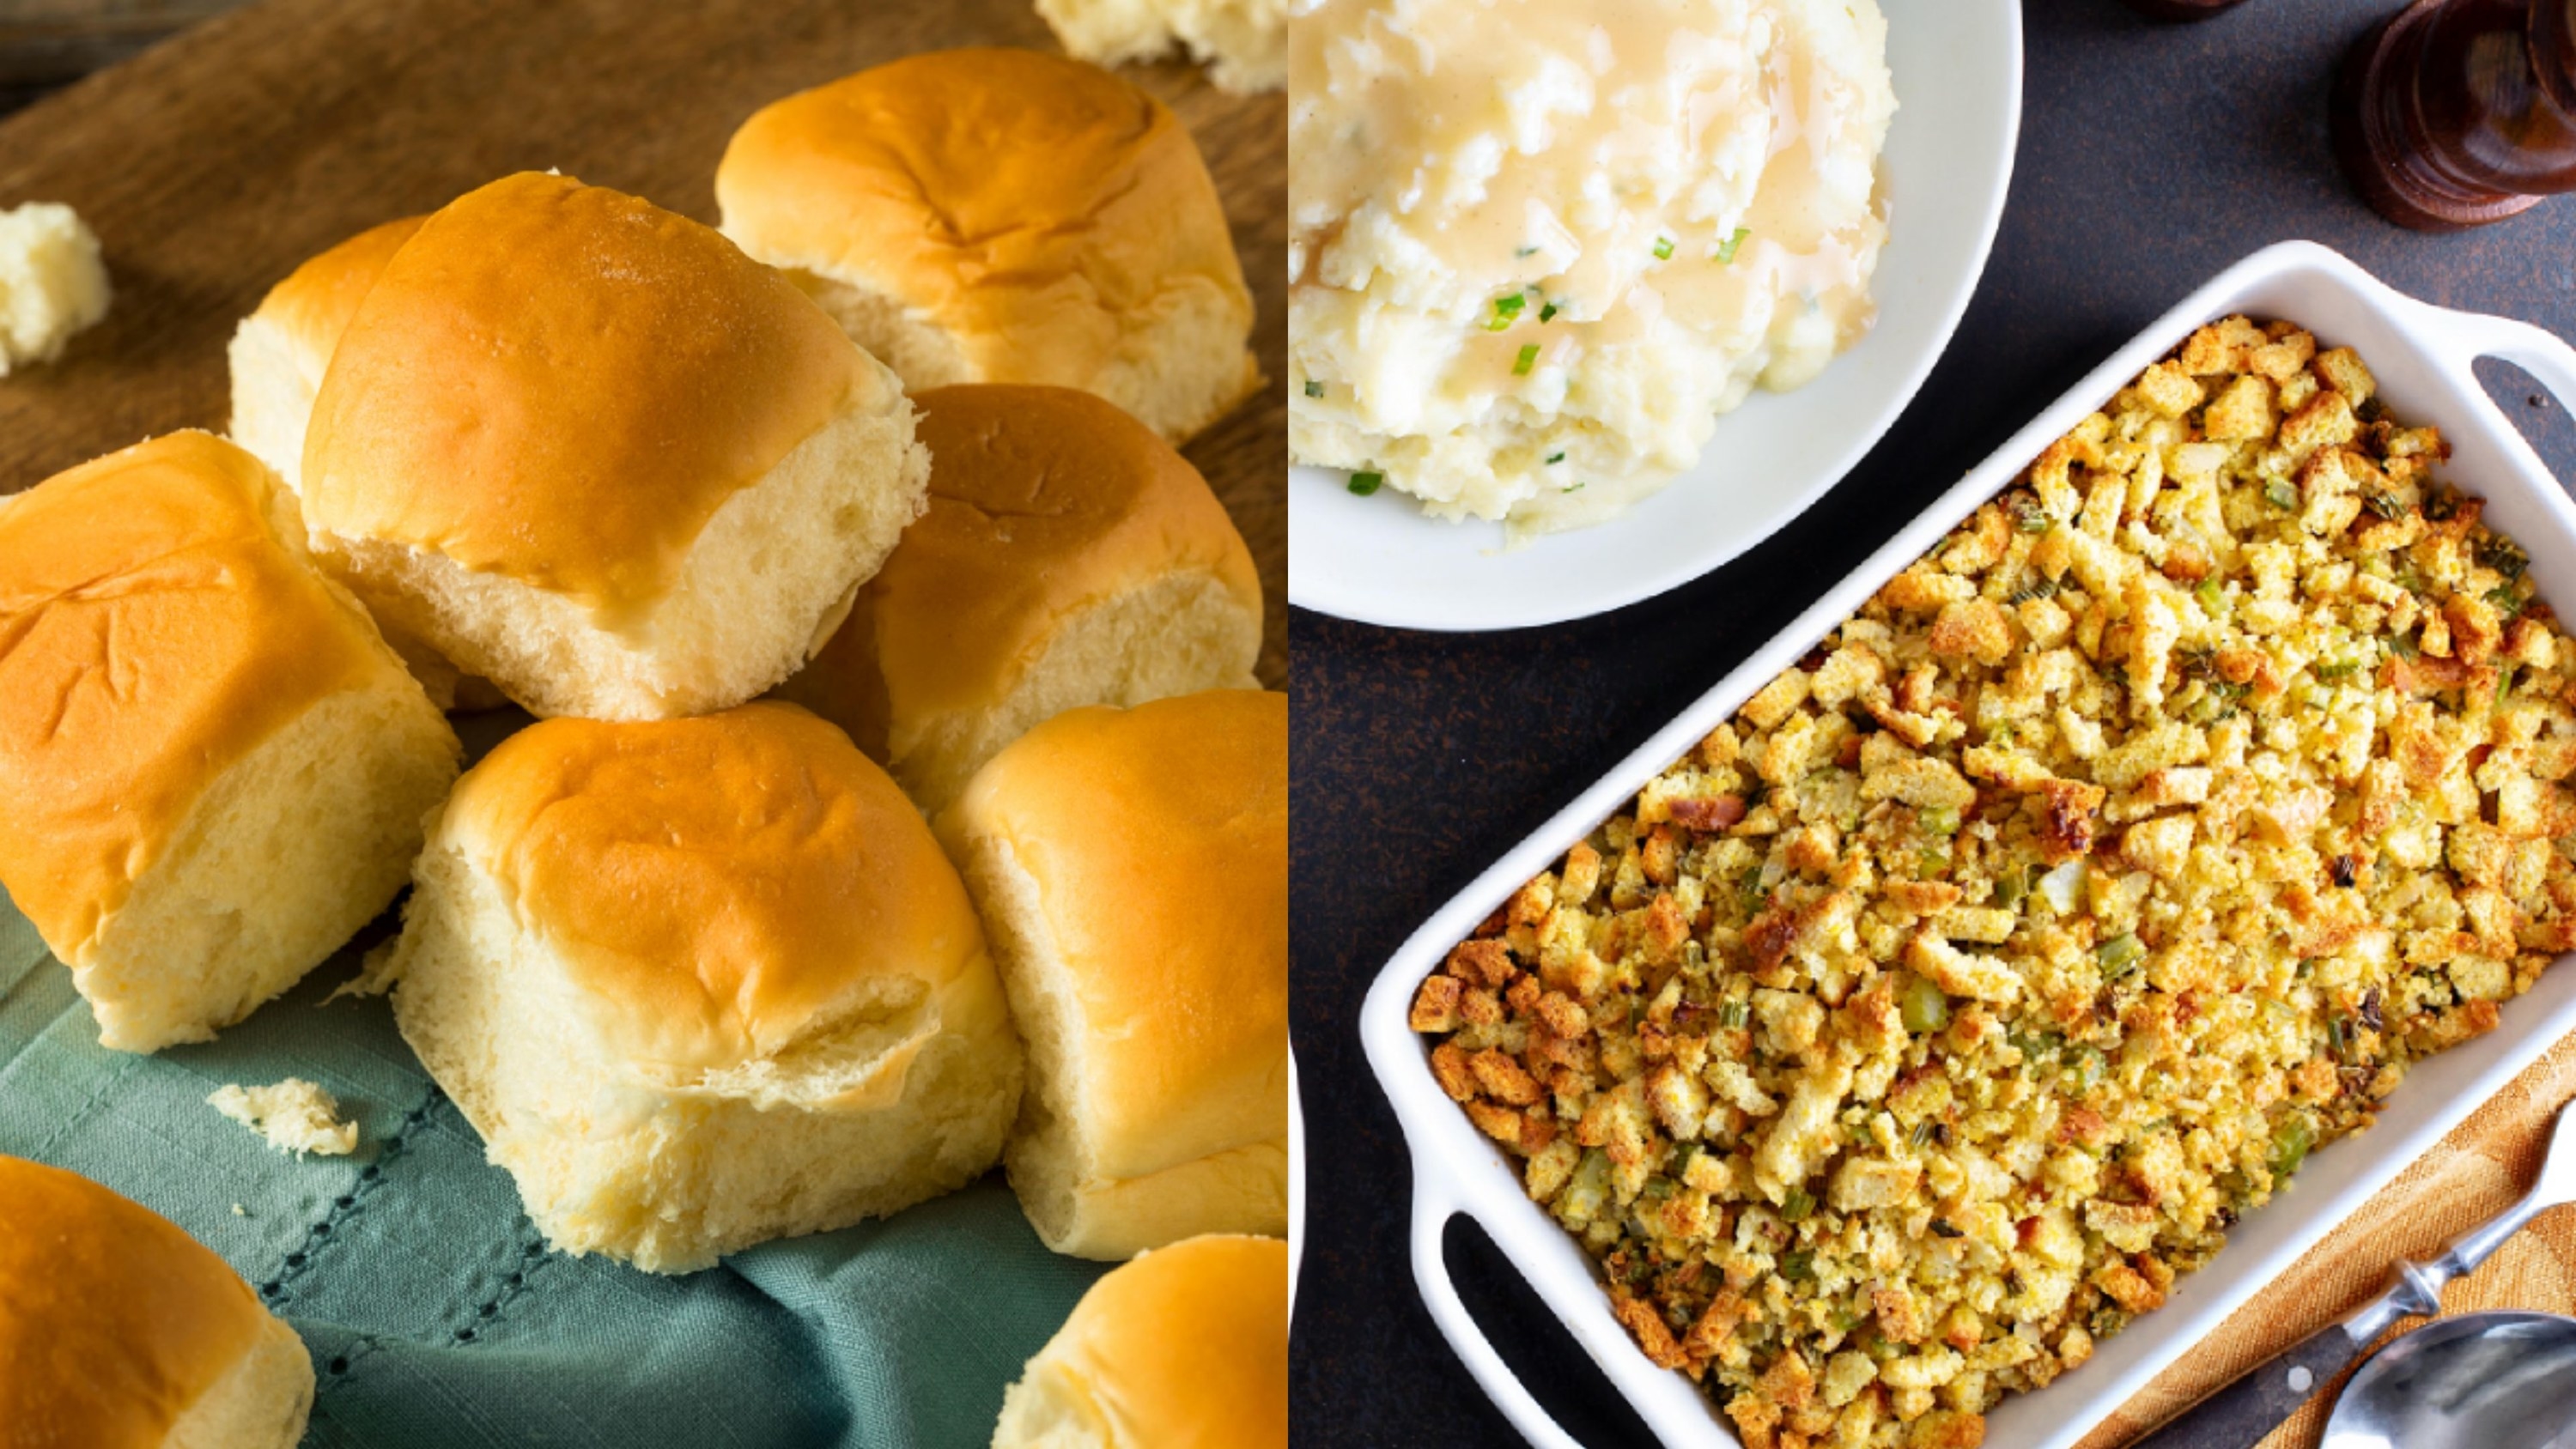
x=589, y=451
x=702, y=983
x=118, y=1331
x=212, y=770
x=1184, y=1348
x=1131, y=867
x=278, y=355
x=1068, y=557
x=280, y=351
x=1244, y=43
x=1004, y=216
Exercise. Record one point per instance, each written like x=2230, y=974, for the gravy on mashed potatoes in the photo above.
x=1537, y=246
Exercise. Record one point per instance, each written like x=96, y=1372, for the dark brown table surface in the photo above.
x=2150, y=158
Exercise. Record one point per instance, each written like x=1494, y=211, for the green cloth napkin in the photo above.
x=436, y=1316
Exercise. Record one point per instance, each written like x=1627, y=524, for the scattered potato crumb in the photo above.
x=52, y=282
x=295, y=1116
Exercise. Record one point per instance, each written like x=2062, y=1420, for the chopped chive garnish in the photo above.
x=1526, y=252
x=1726, y=249
x=1555, y=458
x=1365, y=484
x=1571, y=488
x=1523, y=363
x=2339, y=669
x=1506, y=309
x=1314, y=388
x=1796, y=1206
x=1547, y=312
x=1663, y=248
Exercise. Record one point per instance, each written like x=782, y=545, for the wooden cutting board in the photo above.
x=211, y=165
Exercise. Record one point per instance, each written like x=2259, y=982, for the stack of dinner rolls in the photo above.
x=996, y=873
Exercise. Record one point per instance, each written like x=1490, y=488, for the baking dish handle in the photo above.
x=2461, y=338
x=1433, y=1207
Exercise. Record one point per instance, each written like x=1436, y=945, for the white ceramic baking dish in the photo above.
x=2422, y=356
x=1296, y=1185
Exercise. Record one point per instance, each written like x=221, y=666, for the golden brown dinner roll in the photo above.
x=119, y=1331
x=280, y=351
x=1131, y=867
x=1243, y=42
x=1068, y=557
x=1184, y=1348
x=1004, y=216
x=702, y=983
x=589, y=451
x=278, y=356
x=212, y=770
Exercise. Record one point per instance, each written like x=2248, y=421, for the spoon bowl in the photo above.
x=2494, y=1380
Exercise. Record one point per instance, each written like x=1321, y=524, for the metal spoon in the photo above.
x=2495, y=1380
x=2239, y=1415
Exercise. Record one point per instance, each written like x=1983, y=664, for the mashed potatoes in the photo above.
x=1537, y=246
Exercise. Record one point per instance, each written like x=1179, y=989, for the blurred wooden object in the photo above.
x=49, y=43
x=2456, y=113
x=212, y=164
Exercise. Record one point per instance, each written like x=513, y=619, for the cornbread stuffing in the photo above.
x=1918, y=1029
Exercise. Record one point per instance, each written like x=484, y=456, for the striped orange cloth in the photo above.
x=2474, y=1174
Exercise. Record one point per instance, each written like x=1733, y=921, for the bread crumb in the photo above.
x=239, y=1211
x=295, y=1116
x=1243, y=42
x=375, y=976
x=52, y=282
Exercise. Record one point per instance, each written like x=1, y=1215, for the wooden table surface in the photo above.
x=212, y=164
x=2150, y=159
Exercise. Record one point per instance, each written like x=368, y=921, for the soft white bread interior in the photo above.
x=1004, y=216
x=119, y=1331
x=1184, y=1348
x=280, y=351
x=53, y=283
x=1244, y=43
x=212, y=769
x=703, y=983
x=1131, y=867
x=588, y=450
x=1069, y=557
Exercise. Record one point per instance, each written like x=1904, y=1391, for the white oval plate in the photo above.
x=1957, y=69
